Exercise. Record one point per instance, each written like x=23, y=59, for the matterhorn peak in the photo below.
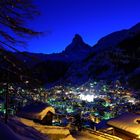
x=77, y=44
x=77, y=39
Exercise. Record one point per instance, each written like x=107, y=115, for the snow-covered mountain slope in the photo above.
x=15, y=130
x=116, y=56
x=115, y=38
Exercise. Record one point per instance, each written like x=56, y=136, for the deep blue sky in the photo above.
x=92, y=19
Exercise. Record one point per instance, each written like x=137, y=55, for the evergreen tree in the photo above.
x=14, y=15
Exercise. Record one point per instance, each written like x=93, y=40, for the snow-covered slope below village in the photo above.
x=6, y=133
x=53, y=132
x=24, y=129
x=16, y=130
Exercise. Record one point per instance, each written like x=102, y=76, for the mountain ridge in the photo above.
x=114, y=57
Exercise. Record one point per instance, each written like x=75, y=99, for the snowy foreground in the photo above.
x=15, y=130
x=24, y=129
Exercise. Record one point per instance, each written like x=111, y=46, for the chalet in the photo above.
x=38, y=112
x=126, y=126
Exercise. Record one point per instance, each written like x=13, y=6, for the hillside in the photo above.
x=115, y=57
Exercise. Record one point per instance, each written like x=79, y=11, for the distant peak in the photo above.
x=77, y=38
x=77, y=45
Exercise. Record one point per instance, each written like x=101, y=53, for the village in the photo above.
x=89, y=107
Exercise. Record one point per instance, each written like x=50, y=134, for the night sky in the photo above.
x=92, y=19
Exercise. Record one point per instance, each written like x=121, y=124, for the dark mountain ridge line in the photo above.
x=110, y=60
x=51, y=67
x=114, y=57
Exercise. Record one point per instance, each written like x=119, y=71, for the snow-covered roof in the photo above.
x=36, y=111
x=127, y=122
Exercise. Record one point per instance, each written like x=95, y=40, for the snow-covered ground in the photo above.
x=53, y=132
x=24, y=129
x=63, y=133
x=6, y=133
